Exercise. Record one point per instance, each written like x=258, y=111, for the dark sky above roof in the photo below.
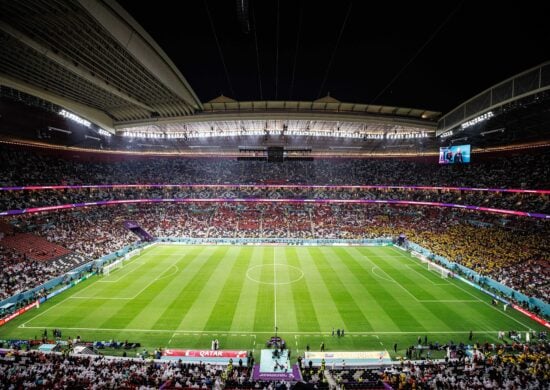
x=430, y=55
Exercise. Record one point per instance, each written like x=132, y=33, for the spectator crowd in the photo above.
x=505, y=366
x=502, y=366
x=529, y=169
x=22, y=199
x=63, y=371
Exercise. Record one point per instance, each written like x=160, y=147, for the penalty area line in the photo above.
x=103, y=298
x=57, y=304
x=171, y=338
x=124, y=275
x=449, y=301
x=389, y=278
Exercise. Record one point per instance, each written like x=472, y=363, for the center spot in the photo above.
x=274, y=274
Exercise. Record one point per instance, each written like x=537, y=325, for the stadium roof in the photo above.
x=527, y=83
x=92, y=58
x=327, y=116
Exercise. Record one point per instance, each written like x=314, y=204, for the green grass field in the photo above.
x=185, y=296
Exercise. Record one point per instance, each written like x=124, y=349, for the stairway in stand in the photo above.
x=135, y=228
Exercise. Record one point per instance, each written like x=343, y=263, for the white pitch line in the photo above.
x=400, y=253
x=373, y=270
x=109, y=298
x=451, y=300
x=390, y=278
x=167, y=276
x=411, y=267
x=417, y=263
x=274, y=292
x=57, y=304
x=296, y=334
x=169, y=341
x=491, y=306
x=477, y=298
x=153, y=281
x=140, y=260
x=127, y=273
x=159, y=277
x=122, y=299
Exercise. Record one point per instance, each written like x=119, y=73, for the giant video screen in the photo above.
x=457, y=154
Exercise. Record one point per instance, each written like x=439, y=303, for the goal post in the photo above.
x=120, y=262
x=112, y=266
x=131, y=254
x=442, y=271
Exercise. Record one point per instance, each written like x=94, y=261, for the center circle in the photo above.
x=274, y=274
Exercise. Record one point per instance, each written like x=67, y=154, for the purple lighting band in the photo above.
x=264, y=200
x=297, y=186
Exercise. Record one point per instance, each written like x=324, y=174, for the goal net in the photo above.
x=120, y=262
x=114, y=265
x=131, y=254
x=442, y=271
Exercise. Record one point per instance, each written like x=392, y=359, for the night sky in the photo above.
x=438, y=54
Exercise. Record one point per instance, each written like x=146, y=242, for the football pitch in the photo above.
x=186, y=296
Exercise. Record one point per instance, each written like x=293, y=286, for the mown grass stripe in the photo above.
x=223, y=311
x=166, y=290
x=83, y=312
x=399, y=306
x=423, y=269
x=192, y=280
x=210, y=289
x=302, y=297
x=326, y=310
x=359, y=286
x=129, y=284
x=264, y=320
x=351, y=314
x=466, y=310
x=146, y=288
x=243, y=318
x=400, y=273
x=286, y=306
